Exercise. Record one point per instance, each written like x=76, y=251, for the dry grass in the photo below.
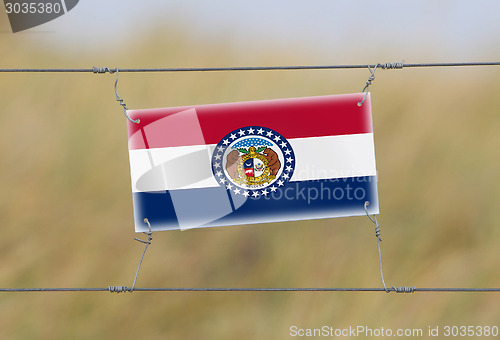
x=66, y=210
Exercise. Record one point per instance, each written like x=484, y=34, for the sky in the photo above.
x=336, y=31
x=450, y=30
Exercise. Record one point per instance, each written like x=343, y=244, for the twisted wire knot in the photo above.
x=392, y=66
x=371, y=78
x=378, y=232
x=374, y=220
x=369, y=81
x=117, y=289
x=403, y=289
x=103, y=70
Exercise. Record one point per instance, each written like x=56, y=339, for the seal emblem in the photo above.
x=253, y=161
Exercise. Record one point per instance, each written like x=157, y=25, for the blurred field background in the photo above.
x=66, y=208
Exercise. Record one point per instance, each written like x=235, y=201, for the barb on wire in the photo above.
x=392, y=66
x=117, y=289
x=102, y=70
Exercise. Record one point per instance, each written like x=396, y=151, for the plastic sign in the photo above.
x=252, y=162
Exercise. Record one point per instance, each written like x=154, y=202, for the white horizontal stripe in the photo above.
x=187, y=167
x=182, y=167
x=334, y=157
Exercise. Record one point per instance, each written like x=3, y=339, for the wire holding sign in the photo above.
x=102, y=70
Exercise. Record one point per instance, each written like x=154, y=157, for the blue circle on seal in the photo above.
x=253, y=161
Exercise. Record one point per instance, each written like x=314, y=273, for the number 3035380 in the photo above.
x=32, y=8
x=474, y=331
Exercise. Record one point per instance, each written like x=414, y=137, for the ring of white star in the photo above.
x=253, y=193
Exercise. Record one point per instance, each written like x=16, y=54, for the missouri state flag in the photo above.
x=252, y=162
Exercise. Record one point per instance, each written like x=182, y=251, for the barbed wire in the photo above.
x=398, y=65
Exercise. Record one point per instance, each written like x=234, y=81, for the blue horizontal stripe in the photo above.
x=210, y=207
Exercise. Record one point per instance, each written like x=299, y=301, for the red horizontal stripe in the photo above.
x=292, y=118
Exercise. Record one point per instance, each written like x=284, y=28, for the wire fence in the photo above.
x=371, y=67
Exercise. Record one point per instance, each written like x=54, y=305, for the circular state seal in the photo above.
x=253, y=161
